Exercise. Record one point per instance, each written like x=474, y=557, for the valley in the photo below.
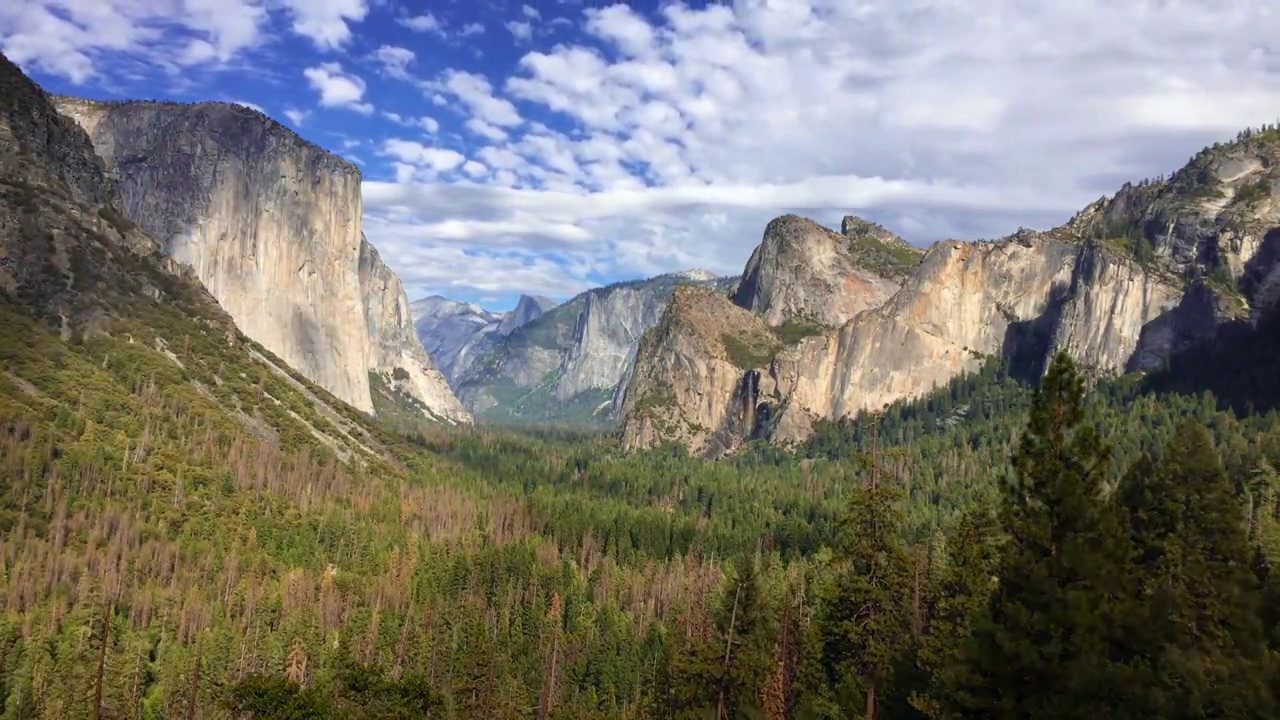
x=245, y=477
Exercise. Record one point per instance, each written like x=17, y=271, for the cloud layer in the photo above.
x=554, y=151
x=656, y=143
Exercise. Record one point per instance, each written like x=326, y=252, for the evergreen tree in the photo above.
x=866, y=615
x=1047, y=644
x=963, y=592
x=1200, y=626
x=722, y=677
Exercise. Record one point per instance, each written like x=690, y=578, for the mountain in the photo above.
x=99, y=321
x=450, y=329
x=538, y=363
x=456, y=333
x=527, y=309
x=803, y=272
x=271, y=225
x=1128, y=282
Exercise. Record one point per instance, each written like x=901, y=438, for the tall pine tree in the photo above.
x=1200, y=630
x=1047, y=644
x=865, y=619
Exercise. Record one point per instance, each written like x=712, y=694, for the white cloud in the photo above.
x=423, y=23
x=326, y=22
x=296, y=116
x=67, y=37
x=338, y=88
x=429, y=124
x=470, y=29
x=484, y=129
x=530, y=12
x=394, y=60
x=429, y=159
x=520, y=30
x=476, y=94
x=677, y=139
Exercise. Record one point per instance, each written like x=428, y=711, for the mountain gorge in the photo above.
x=549, y=363
x=1127, y=283
x=271, y=225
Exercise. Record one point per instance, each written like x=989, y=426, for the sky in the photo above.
x=550, y=146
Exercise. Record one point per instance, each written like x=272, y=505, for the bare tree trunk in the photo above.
x=102, y=662
x=728, y=645
x=194, y=699
x=871, y=703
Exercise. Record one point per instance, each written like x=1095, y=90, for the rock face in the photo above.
x=527, y=309
x=692, y=383
x=1126, y=283
x=451, y=330
x=803, y=272
x=67, y=256
x=395, y=352
x=271, y=224
x=565, y=364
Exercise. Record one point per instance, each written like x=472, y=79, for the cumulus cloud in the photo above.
x=677, y=135
x=338, y=88
x=423, y=23
x=431, y=159
x=521, y=30
x=326, y=22
x=394, y=60
x=476, y=93
x=67, y=37
x=296, y=116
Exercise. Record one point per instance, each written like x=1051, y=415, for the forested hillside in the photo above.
x=189, y=529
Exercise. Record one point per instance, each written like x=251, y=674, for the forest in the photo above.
x=997, y=549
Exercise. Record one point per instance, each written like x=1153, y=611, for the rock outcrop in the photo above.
x=528, y=308
x=451, y=330
x=803, y=272
x=567, y=363
x=67, y=256
x=1129, y=281
x=694, y=382
x=395, y=353
x=271, y=225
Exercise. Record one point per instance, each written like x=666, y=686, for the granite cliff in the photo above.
x=1125, y=284
x=803, y=272
x=271, y=225
x=562, y=364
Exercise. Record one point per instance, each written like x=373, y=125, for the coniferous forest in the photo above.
x=998, y=549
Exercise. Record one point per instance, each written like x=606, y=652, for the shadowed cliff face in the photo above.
x=271, y=226
x=1128, y=282
x=395, y=351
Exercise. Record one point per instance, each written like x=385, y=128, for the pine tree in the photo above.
x=721, y=678
x=1200, y=626
x=866, y=615
x=962, y=594
x=1045, y=646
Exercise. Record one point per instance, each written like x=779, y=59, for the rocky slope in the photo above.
x=1129, y=281
x=396, y=356
x=693, y=376
x=141, y=332
x=803, y=272
x=271, y=225
x=566, y=364
x=450, y=330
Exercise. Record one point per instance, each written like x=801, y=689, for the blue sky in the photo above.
x=550, y=146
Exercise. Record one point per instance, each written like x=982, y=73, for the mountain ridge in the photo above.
x=1127, y=282
x=271, y=224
